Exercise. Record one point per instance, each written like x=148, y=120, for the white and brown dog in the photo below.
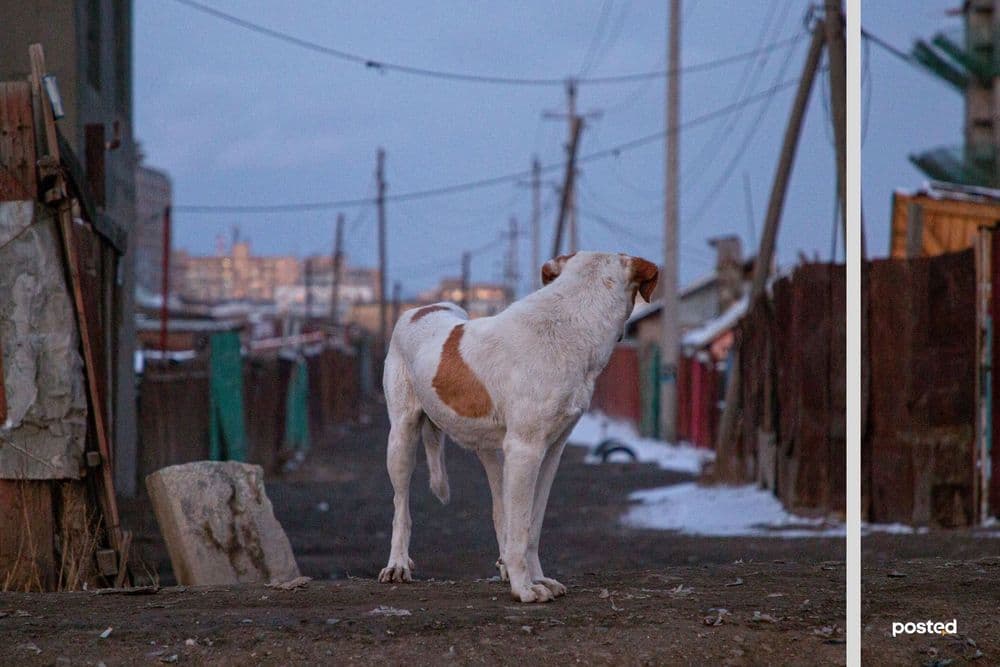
x=510, y=387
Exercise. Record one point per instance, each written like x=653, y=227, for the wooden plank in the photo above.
x=17, y=143
x=51, y=156
x=94, y=161
x=27, y=536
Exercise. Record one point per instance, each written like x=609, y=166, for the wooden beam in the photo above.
x=55, y=193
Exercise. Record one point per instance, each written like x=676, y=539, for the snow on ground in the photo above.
x=593, y=428
x=722, y=511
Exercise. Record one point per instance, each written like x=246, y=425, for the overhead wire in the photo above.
x=490, y=181
x=386, y=66
x=728, y=170
x=602, y=20
x=752, y=71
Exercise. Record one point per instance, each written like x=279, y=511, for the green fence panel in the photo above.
x=227, y=428
x=297, y=408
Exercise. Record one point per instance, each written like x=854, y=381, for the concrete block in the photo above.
x=219, y=525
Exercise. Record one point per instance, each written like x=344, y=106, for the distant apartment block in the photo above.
x=237, y=276
x=281, y=280
x=484, y=299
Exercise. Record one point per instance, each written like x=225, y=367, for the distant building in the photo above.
x=238, y=276
x=152, y=197
x=88, y=47
x=702, y=300
x=484, y=299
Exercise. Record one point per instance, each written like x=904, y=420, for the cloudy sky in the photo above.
x=239, y=118
x=910, y=110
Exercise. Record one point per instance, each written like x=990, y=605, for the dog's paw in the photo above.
x=397, y=573
x=533, y=593
x=554, y=586
x=503, y=570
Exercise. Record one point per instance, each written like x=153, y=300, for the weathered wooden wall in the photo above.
x=917, y=455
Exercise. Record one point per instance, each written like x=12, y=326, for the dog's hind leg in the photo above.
x=493, y=464
x=434, y=447
x=404, y=434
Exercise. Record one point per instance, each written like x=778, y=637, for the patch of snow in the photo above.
x=722, y=511
x=893, y=529
x=594, y=428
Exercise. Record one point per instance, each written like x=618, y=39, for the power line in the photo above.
x=602, y=20
x=614, y=151
x=728, y=170
x=384, y=66
x=905, y=57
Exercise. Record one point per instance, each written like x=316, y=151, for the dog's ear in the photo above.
x=644, y=273
x=552, y=268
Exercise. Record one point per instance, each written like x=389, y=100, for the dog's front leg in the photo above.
x=546, y=475
x=521, y=463
x=493, y=465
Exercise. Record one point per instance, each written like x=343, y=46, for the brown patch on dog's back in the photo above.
x=426, y=310
x=456, y=384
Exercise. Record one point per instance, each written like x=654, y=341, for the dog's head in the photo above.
x=633, y=275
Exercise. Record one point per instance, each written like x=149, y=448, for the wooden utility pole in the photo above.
x=762, y=265
x=382, y=315
x=669, y=321
x=309, y=288
x=574, y=124
x=466, y=269
x=567, y=189
x=338, y=258
x=571, y=199
x=536, y=222
x=165, y=280
x=397, y=295
x=836, y=54
x=511, y=273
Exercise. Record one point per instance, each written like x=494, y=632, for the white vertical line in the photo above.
x=853, y=365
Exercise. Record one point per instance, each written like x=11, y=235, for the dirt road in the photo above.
x=636, y=597
x=940, y=576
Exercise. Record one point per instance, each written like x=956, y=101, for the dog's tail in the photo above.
x=434, y=446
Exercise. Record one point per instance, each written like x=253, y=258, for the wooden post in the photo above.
x=94, y=160
x=670, y=332
x=397, y=293
x=338, y=258
x=762, y=265
x=382, y=315
x=567, y=191
x=466, y=269
x=165, y=280
x=536, y=222
x=837, y=57
x=49, y=167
